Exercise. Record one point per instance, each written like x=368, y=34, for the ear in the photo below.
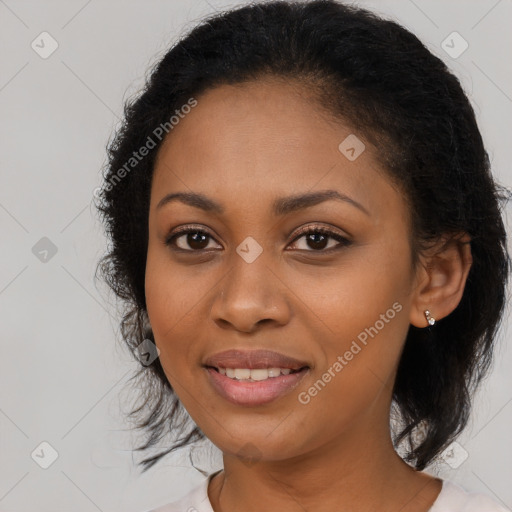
x=440, y=278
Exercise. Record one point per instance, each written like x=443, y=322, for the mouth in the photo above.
x=255, y=377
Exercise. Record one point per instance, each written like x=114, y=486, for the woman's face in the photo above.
x=338, y=304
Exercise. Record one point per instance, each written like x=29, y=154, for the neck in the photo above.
x=359, y=471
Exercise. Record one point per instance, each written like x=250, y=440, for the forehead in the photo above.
x=268, y=137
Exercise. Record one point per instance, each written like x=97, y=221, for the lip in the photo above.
x=253, y=359
x=240, y=392
x=246, y=393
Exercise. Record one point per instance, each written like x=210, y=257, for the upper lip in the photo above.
x=253, y=359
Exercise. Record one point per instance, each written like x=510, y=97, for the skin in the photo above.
x=269, y=137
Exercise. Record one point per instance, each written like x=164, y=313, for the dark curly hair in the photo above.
x=382, y=81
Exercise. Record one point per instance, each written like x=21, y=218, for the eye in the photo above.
x=196, y=239
x=317, y=238
x=190, y=239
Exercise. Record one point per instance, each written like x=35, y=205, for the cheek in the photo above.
x=360, y=354
x=361, y=346
x=363, y=309
x=360, y=294
x=170, y=306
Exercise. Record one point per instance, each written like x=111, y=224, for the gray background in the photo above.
x=63, y=370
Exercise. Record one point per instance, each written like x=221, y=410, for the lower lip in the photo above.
x=261, y=392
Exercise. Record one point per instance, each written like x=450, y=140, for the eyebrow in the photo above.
x=280, y=207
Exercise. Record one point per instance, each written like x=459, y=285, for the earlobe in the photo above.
x=444, y=271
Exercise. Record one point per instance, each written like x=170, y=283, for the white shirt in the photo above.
x=452, y=498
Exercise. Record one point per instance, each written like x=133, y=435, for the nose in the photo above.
x=251, y=295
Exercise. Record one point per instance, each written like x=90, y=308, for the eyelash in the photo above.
x=343, y=242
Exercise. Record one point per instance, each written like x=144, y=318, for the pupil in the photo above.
x=194, y=240
x=316, y=243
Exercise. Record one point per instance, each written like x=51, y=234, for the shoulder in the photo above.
x=196, y=500
x=454, y=498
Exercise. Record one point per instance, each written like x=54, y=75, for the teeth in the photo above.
x=242, y=374
x=254, y=374
x=275, y=372
x=260, y=374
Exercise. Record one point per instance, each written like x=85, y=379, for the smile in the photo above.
x=253, y=387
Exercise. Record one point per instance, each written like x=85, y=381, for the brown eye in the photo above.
x=317, y=240
x=191, y=240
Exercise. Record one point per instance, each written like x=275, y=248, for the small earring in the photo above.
x=431, y=320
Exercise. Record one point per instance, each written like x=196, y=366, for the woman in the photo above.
x=304, y=222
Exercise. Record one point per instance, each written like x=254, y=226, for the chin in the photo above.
x=257, y=444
